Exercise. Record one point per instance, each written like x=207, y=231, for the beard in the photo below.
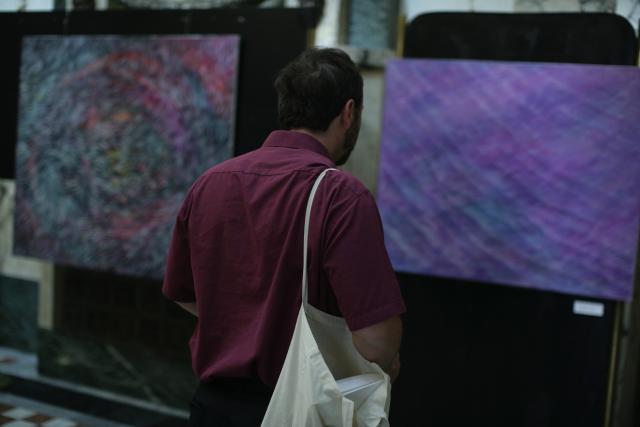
x=349, y=142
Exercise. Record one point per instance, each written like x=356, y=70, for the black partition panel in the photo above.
x=479, y=354
x=269, y=39
x=488, y=355
x=581, y=38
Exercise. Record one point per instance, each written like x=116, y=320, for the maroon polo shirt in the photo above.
x=237, y=252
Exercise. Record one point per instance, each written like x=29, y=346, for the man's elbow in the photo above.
x=380, y=342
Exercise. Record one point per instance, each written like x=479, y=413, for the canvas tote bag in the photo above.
x=322, y=358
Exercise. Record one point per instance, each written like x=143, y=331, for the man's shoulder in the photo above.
x=347, y=183
x=208, y=177
x=234, y=164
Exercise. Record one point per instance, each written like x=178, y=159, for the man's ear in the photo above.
x=348, y=112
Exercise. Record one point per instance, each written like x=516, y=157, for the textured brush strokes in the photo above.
x=112, y=132
x=516, y=174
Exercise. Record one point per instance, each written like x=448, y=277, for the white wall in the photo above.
x=32, y=5
x=329, y=28
x=413, y=8
x=630, y=9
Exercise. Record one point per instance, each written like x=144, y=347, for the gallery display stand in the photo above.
x=482, y=354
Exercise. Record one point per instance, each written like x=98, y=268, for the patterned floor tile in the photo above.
x=19, y=423
x=19, y=417
x=18, y=413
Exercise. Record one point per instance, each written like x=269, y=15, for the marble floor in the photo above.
x=38, y=409
x=17, y=411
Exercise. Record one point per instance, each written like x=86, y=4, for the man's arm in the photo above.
x=189, y=306
x=178, y=278
x=380, y=343
x=362, y=278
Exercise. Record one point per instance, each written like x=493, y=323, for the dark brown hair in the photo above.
x=313, y=88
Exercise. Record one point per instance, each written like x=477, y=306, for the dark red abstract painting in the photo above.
x=112, y=132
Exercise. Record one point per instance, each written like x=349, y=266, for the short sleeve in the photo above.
x=178, y=279
x=357, y=264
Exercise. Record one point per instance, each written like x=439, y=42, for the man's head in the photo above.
x=321, y=91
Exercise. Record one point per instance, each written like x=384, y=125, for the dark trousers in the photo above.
x=229, y=402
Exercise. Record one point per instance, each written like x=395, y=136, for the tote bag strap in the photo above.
x=307, y=217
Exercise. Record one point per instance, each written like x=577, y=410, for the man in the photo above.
x=235, y=259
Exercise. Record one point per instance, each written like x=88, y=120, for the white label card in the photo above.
x=588, y=308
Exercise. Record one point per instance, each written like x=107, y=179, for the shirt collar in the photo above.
x=293, y=139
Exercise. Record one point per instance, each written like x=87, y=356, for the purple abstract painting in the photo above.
x=112, y=131
x=518, y=174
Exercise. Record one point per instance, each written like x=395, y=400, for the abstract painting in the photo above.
x=513, y=173
x=112, y=131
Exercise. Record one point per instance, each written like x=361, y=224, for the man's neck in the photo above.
x=323, y=138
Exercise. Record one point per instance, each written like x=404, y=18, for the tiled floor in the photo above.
x=12, y=416
x=16, y=411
